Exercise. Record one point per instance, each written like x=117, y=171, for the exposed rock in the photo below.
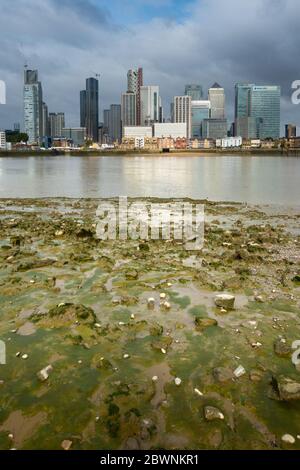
x=43, y=374
x=166, y=305
x=203, y=323
x=215, y=438
x=132, y=275
x=73, y=312
x=66, y=445
x=211, y=413
x=132, y=444
x=222, y=374
x=285, y=389
x=288, y=439
x=256, y=375
x=162, y=343
x=156, y=330
x=151, y=303
x=225, y=301
x=281, y=348
x=239, y=372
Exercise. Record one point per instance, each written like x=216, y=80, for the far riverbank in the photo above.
x=191, y=152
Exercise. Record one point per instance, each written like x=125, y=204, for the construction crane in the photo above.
x=97, y=75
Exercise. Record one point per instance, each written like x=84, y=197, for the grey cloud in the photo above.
x=230, y=41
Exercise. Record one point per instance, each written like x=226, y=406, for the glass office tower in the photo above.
x=194, y=91
x=265, y=108
x=92, y=109
x=200, y=111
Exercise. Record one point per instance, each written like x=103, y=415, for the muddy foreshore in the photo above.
x=80, y=305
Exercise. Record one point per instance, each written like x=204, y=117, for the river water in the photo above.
x=256, y=180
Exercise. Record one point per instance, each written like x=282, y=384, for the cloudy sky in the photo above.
x=175, y=41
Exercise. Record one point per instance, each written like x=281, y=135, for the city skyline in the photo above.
x=69, y=54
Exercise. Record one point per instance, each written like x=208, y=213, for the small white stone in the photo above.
x=121, y=323
x=166, y=305
x=126, y=356
x=97, y=325
x=151, y=302
x=197, y=391
x=288, y=439
x=170, y=284
x=11, y=436
x=163, y=296
x=239, y=372
x=80, y=362
x=155, y=378
x=18, y=354
x=43, y=374
x=24, y=357
x=178, y=381
x=163, y=351
x=132, y=316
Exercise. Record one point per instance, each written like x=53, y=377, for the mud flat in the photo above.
x=92, y=363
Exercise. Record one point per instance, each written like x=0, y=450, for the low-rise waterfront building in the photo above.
x=166, y=143
x=139, y=142
x=229, y=142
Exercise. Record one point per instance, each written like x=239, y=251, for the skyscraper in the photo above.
x=200, y=111
x=245, y=125
x=134, y=83
x=45, y=121
x=114, y=126
x=242, y=100
x=56, y=124
x=92, y=109
x=83, y=108
x=290, y=131
x=182, y=112
x=150, y=105
x=257, y=111
x=214, y=128
x=216, y=96
x=33, y=106
x=265, y=108
x=128, y=109
x=194, y=91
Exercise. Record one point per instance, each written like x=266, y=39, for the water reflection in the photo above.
x=254, y=180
